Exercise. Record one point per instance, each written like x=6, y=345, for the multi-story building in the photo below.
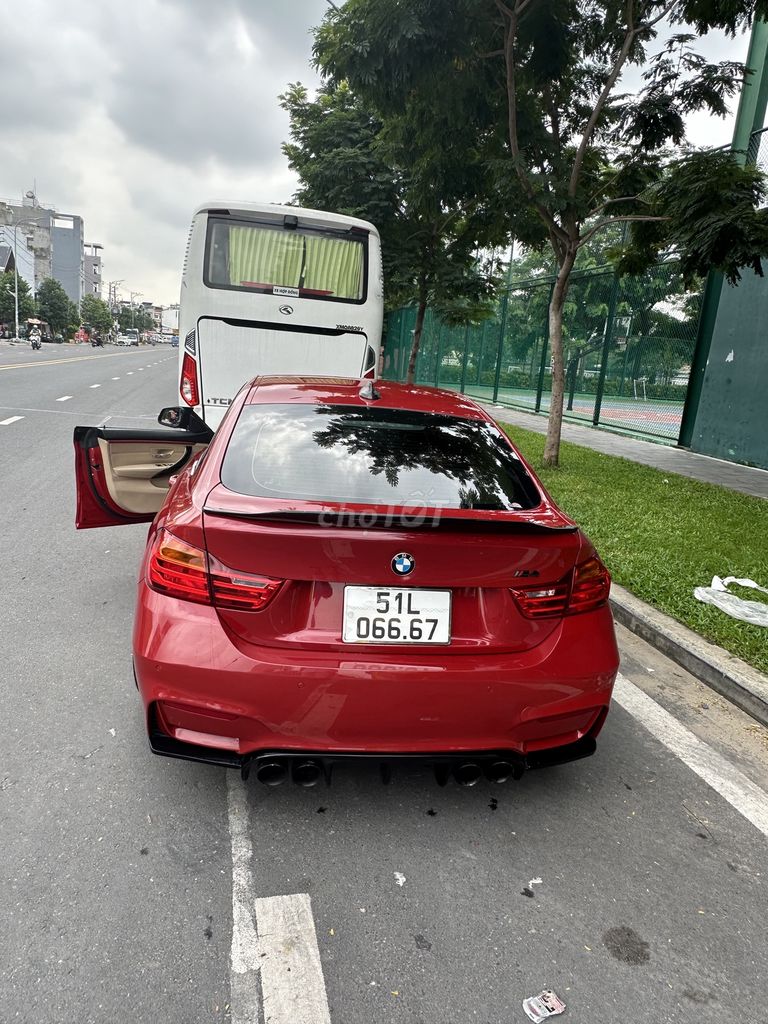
x=55, y=241
x=170, y=320
x=67, y=263
x=92, y=269
x=22, y=257
x=33, y=223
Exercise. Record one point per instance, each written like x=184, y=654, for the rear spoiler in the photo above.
x=394, y=521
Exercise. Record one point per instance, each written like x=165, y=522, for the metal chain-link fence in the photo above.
x=628, y=346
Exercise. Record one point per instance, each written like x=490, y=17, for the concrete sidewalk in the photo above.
x=673, y=460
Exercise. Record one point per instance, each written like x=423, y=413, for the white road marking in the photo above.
x=244, y=953
x=274, y=956
x=11, y=419
x=64, y=398
x=115, y=378
x=292, y=983
x=130, y=372
x=733, y=785
x=95, y=385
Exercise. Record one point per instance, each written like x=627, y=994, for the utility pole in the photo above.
x=133, y=310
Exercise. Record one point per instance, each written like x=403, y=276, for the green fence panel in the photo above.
x=630, y=339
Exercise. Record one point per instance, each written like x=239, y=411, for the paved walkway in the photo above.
x=674, y=460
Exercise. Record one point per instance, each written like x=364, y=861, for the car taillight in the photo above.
x=591, y=586
x=188, y=386
x=180, y=570
x=537, y=602
x=583, y=590
x=243, y=590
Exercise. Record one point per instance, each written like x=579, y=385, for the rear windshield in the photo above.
x=369, y=456
x=275, y=260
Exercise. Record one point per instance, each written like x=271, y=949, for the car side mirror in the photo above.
x=183, y=419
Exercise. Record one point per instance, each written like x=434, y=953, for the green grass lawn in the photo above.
x=661, y=535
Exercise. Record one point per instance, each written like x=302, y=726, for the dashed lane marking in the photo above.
x=274, y=952
x=115, y=378
x=95, y=385
x=64, y=398
x=10, y=420
x=287, y=939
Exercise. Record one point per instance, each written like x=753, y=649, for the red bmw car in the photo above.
x=353, y=570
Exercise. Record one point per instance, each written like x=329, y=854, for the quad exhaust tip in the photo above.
x=272, y=773
x=501, y=771
x=306, y=773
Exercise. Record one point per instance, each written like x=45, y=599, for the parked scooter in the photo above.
x=35, y=339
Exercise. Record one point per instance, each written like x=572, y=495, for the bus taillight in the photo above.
x=188, y=386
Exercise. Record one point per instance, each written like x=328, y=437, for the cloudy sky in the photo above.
x=132, y=112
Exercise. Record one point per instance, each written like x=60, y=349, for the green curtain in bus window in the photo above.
x=334, y=265
x=260, y=256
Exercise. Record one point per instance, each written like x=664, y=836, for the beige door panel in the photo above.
x=137, y=473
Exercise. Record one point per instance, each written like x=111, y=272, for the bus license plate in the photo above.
x=381, y=615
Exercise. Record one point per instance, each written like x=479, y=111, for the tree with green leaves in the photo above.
x=137, y=317
x=53, y=305
x=96, y=313
x=73, y=320
x=582, y=154
x=7, y=299
x=434, y=215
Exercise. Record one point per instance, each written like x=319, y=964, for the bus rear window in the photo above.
x=277, y=260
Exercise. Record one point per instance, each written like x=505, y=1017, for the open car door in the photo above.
x=123, y=475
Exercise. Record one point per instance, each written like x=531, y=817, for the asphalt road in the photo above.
x=139, y=889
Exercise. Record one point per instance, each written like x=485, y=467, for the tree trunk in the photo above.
x=555, y=424
x=420, y=311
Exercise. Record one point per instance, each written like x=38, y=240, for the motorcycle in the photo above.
x=35, y=341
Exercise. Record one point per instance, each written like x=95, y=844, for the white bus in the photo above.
x=275, y=290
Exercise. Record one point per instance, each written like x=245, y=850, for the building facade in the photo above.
x=68, y=254
x=33, y=224
x=92, y=269
x=23, y=256
x=169, y=323
x=54, y=240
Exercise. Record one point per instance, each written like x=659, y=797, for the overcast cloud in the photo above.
x=132, y=112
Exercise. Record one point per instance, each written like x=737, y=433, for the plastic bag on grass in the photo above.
x=717, y=594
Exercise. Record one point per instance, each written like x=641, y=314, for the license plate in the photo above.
x=381, y=615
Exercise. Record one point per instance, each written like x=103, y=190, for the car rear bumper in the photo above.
x=496, y=766
x=206, y=699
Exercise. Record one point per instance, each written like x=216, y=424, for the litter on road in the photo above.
x=545, y=1004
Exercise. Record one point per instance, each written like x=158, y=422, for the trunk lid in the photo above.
x=318, y=553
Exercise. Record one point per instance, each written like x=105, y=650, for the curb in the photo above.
x=731, y=677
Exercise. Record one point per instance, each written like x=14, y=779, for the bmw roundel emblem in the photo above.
x=403, y=564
